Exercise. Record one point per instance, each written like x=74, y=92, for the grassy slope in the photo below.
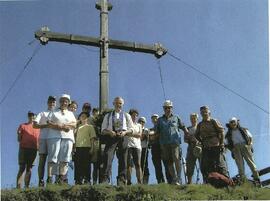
x=136, y=192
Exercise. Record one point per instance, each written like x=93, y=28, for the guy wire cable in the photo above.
x=217, y=82
x=161, y=78
x=21, y=72
x=18, y=52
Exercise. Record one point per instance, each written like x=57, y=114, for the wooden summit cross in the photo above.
x=103, y=42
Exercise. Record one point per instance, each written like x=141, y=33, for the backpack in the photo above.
x=219, y=180
x=98, y=123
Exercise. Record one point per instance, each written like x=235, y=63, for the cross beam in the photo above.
x=104, y=43
x=46, y=36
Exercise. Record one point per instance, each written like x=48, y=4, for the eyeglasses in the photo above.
x=166, y=108
x=232, y=122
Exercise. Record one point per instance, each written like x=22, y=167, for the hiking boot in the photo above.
x=63, y=180
x=121, y=181
x=41, y=183
x=176, y=183
x=49, y=180
x=257, y=183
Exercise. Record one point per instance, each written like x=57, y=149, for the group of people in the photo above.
x=59, y=136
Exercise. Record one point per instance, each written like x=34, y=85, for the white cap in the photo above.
x=142, y=119
x=155, y=115
x=233, y=119
x=168, y=103
x=65, y=96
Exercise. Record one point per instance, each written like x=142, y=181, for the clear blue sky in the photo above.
x=225, y=39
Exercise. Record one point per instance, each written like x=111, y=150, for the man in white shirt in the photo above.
x=116, y=125
x=41, y=122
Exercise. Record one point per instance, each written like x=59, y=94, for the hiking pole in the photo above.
x=182, y=163
x=198, y=173
x=184, y=168
x=145, y=155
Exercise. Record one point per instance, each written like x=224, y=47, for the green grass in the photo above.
x=135, y=193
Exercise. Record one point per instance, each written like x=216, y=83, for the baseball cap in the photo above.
x=142, y=119
x=30, y=113
x=155, y=115
x=65, y=96
x=233, y=119
x=194, y=115
x=204, y=107
x=168, y=103
x=52, y=98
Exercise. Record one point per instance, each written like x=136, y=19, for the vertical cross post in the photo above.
x=104, y=8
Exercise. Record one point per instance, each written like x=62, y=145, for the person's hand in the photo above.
x=65, y=128
x=113, y=134
x=123, y=133
x=222, y=148
x=73, y=151
x=50, y=124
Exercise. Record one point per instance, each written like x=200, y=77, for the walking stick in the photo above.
x=198, y=173
x=147, y=141
x=182, y=163
x=184, y=168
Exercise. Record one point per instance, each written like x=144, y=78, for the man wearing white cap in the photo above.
x=240, y=143
x=168, y=128
x=61, y=138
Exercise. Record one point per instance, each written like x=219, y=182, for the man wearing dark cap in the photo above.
x=210, y=134
x=28, y=140
x=41, y=122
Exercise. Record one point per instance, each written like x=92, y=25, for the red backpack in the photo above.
x=219, y=180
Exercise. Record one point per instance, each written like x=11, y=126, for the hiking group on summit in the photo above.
x=92, y=140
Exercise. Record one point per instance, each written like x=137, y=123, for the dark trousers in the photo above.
x=110, y=148
x=144, y=165
x=95, y=172
x=156, y=158
x=213, y=160
x=82, y=169
x=167, y=172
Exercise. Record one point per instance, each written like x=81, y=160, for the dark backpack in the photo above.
x=97, y=125
x=219, y=180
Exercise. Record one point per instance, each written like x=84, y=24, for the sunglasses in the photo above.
x=166, y=108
